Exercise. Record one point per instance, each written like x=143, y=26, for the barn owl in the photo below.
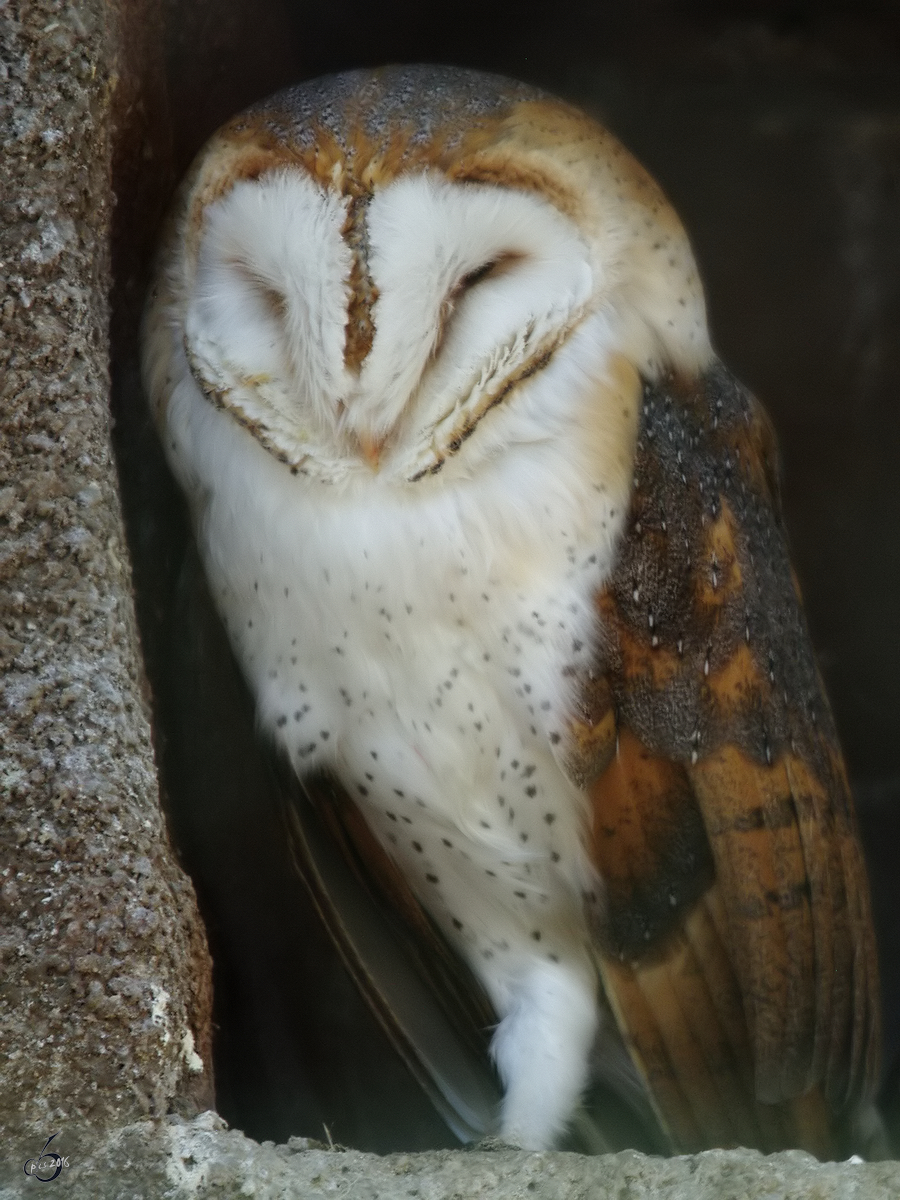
x=497, y=543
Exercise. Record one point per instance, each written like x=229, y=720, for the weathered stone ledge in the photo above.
x=175, y=1159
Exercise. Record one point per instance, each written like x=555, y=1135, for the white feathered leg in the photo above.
x=541, y=1048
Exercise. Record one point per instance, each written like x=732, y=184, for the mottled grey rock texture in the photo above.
x=177, y=1160
x=104, y=999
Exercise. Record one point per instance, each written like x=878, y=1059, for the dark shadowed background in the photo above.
x=775, y=130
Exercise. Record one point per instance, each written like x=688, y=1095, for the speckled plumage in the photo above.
x=410, y=346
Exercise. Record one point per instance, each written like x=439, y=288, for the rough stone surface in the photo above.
x=176, y=1159
x=103, y=999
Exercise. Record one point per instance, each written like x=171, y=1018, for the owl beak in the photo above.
x=371, y=448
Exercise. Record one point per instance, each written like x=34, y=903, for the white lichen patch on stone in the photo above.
x=190, y=1055
x=158, y=1010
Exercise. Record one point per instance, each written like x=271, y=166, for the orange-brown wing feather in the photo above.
x=737, y=945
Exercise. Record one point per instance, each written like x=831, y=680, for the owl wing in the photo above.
x=736, y=941
x=428, y=1004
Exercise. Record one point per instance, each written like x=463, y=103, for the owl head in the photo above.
x=368, y=265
